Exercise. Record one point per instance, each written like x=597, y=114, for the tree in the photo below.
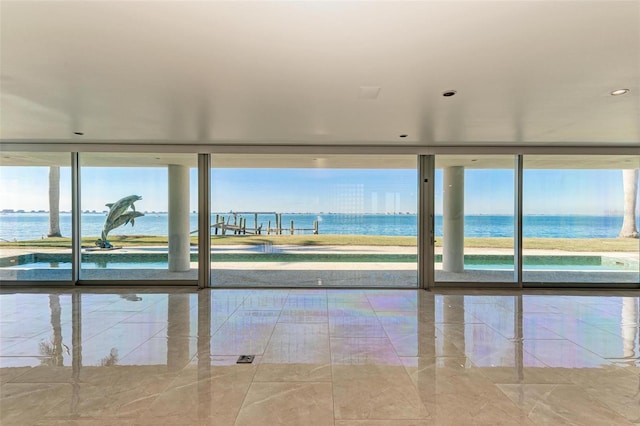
x=630, y=185
x=52, y=352
x=54, y=202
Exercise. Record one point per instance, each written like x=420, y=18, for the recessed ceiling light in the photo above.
x=449, y=93
x=619, y=92
x=78, y=133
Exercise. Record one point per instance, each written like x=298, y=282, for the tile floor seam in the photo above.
x=607, y=362
x=229, y=315
x=253, y=376
x=333, y=390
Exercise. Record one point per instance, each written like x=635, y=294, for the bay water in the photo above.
x=27, y=226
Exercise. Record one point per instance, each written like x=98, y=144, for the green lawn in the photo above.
x=568, y=244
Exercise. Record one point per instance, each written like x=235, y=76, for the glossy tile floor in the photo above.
x=323, y=357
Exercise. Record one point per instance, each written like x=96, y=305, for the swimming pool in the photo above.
x=155, y=260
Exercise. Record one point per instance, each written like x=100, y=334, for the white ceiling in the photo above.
x=534, y=73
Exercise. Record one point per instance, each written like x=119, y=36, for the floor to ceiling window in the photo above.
x=474, y=218
x=319, y=220
x=314, y=221
x=35, y=216
x=139, y=216
x=575, y=211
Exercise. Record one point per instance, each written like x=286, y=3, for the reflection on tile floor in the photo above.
x=334, y=357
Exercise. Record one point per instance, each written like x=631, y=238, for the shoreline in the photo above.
x=470, y=243
x=33, y=226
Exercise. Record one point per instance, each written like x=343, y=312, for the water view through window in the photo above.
x=35, y=216
x=139, y=218
x=574, y=210
x=314, y=222
x=301, y=220
x=474, y=222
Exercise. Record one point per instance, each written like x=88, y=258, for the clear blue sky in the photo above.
x=590, y=192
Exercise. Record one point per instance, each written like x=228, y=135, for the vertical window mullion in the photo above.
x=517, y=255
x=426, y=221
x=76, y=242
x=204, y=220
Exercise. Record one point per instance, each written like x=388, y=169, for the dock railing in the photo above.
x=222, y=226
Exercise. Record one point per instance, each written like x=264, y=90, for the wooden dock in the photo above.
x=236, y=224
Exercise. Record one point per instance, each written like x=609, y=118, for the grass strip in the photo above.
x=565, y=244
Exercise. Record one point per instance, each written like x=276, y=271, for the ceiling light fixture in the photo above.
x=449, y=93
x=619, y=92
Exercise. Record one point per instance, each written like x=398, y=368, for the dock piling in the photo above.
x=223, y=224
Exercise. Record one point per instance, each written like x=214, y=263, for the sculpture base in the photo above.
x=102, y=248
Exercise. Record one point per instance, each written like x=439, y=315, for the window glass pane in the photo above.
x=474, y=223
x=296, y=220
x=139, y=216
x=35, y=216
x=574, y=210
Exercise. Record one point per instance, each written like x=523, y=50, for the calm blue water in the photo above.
x=35, y=225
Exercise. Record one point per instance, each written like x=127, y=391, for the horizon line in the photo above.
x=615, y=214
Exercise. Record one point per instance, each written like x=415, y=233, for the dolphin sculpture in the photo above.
x=123, y=219
x=119, y=214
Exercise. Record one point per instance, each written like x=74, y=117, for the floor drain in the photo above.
x=245, y=359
